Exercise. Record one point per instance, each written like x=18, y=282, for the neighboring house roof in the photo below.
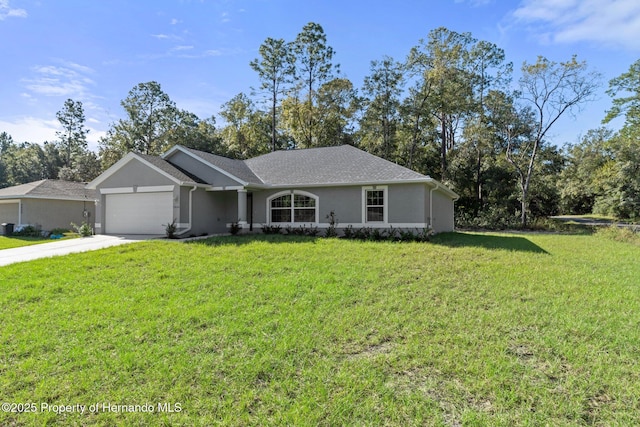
x=328, y=165
x=49, y=189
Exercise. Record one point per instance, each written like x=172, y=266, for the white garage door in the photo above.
x=138, y=213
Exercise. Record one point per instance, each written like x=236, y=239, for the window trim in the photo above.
x=385, y=206
x=293, y=193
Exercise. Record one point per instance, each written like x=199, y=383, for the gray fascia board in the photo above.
x=348, y=184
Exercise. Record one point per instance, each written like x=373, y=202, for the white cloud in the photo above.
x=181, y=48
x=170, y=37
x=6, y=11
x=68, y=80
x=31, y=129
x=609, y=22
x=38, y=130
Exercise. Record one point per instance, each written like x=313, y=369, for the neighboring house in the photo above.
x=47, y=204
x=204, y=193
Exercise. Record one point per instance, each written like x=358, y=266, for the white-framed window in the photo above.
x=375, y=204
x=293, y=206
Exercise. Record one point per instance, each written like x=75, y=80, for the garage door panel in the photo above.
x=138, y=213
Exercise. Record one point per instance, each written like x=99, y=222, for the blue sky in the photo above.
x=199, y=50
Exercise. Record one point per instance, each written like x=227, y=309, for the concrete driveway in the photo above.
x=64, y=247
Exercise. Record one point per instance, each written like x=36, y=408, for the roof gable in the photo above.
x=158, y=164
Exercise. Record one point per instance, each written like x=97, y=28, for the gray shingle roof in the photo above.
x=327, y=165
x=165, y=166
x=49, y=188
x=237, y=168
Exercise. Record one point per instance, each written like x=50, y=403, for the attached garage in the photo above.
x=138, y=213
x=141, y=194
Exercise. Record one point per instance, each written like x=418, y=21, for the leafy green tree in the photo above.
x=6, y=144
x=548, y=90
x=621, y=196
x=618, y=180
x=275, y=69
x=337, y=104
x=417, y=144
x=73, y=137
x=151, y=117
x=246, y=133
x=380, y=122
x=153, y=125
x=580, y=181
x=490, y=74
x=24, y=163
x=626, y=84
x=88, y=166
x=313, y=67
x=53, y=161
x=442, y=64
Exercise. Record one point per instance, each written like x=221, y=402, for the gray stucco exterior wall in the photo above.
x=443, y=219
x=50, y=214
x=9, y=211
x=212, y=211
x=408, y=205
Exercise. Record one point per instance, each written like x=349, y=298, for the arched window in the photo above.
x=293, y=206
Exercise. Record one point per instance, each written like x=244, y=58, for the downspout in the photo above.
x=20, y=212
x=431, y=205
x=190, y=212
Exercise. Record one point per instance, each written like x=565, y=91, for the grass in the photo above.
x=471, y=329
x=19, y=241
x=16, y=242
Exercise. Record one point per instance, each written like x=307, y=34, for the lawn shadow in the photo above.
x=487, y=241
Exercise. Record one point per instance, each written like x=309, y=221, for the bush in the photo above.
x=234, y=228
x=170, y=229
x=621, y=234
x=492, y=218
x=28, y=231
x=348, y=232
x=83, y=229
x=390, y=234
x=302, y=230
x=271, y=229
x=333, y=222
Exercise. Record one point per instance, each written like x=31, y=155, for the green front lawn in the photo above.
x=471, y=329
x=19, y=241
x=16, y=241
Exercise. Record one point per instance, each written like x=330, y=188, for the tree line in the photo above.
x=449, y=110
